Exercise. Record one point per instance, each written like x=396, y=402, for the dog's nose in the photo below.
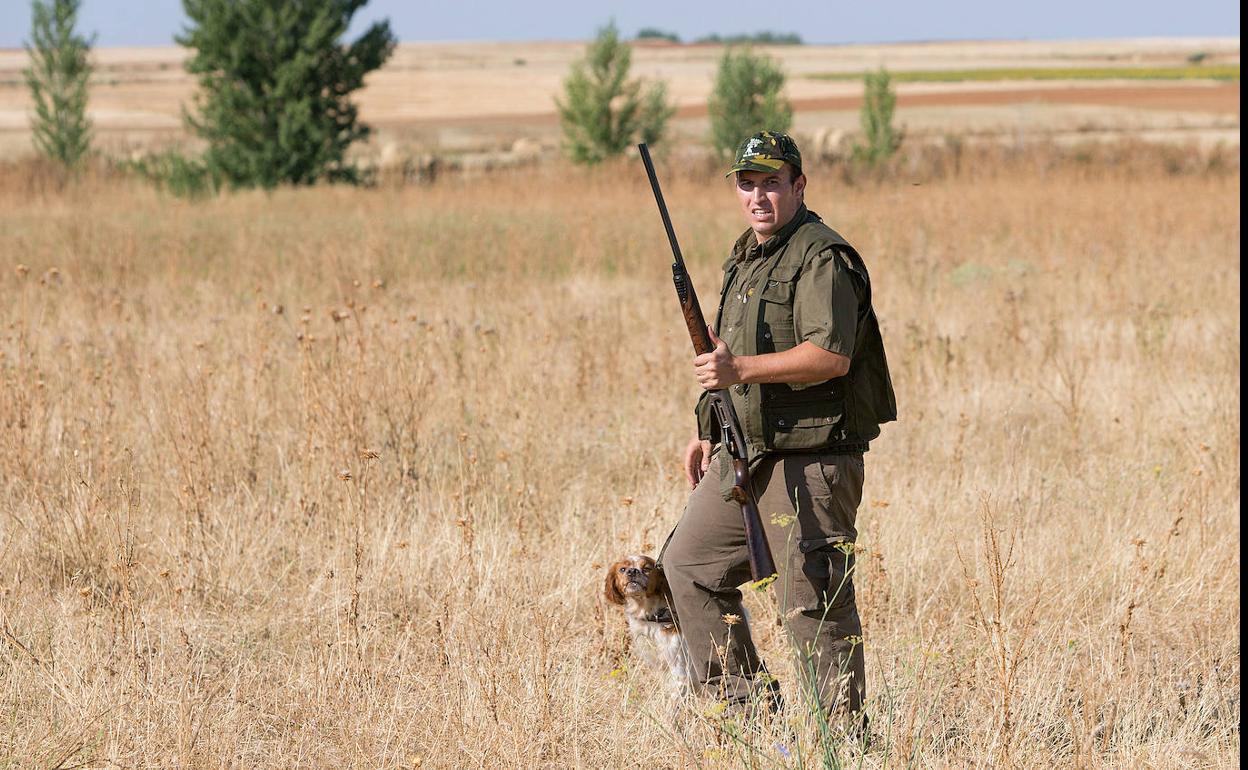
x=633, y=572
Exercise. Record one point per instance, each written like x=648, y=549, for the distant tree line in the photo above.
x=758, y=38
x=650, y=33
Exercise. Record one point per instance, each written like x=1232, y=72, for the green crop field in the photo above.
x=1189, y=72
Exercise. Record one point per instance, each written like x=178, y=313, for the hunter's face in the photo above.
x=769, y=199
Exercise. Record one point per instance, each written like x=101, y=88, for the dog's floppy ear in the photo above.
x=611, y=590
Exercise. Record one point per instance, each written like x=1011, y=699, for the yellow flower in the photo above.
x=730, y=619
x=759, y=585
x=782, y=519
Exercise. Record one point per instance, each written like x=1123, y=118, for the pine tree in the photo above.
x=881, y=138
x=603, y=112
x=57, y=77
x=746, y=99
x=275, y=83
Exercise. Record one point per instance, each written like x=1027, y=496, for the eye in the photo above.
x=647, y=568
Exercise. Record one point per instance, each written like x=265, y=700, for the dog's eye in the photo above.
x=647, y=569
x=623, y=570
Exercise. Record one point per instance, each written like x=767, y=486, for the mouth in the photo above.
x=633, y=586
x=760, y=213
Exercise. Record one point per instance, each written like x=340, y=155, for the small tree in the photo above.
x=275, y=84
x=746, y=99
x=602, y=111
x=881, y=139
x=57, y=76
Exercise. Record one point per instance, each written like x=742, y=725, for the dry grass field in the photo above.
x=328, y=477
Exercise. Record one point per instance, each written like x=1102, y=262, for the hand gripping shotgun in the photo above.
x=762, y=565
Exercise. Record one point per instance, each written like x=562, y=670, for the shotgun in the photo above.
x=762, y=565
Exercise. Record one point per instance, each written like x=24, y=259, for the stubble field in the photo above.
x=328, y=477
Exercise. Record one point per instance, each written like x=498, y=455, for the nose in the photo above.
x=632, y=572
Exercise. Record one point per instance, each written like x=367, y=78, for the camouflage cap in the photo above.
x=767, y=151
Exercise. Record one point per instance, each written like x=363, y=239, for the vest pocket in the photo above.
x=802, y=426
x=775, y=327
x=778, y=288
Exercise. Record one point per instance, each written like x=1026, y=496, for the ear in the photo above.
x=611, y=590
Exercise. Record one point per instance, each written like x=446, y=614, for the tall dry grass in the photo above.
x=326, y=478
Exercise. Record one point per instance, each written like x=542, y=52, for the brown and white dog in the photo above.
x=636, y=583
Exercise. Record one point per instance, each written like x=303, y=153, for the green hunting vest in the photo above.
x=839, y=414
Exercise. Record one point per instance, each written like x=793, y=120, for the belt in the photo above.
x=842, y=448
x=847, y=448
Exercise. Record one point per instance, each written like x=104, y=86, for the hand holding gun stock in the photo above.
x=762, y=565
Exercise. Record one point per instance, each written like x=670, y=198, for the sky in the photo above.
x=155, y=22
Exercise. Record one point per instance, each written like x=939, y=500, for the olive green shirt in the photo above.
x=805, y=283
x=825, y=300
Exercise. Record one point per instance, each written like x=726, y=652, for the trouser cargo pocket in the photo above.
x=827, y=575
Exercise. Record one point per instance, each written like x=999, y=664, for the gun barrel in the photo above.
x=762, y=565
x=658, y=198
x=694, y=320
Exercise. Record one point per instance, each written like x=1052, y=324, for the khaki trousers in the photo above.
x=809, y=504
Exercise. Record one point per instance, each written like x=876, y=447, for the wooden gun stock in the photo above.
x=762, y=565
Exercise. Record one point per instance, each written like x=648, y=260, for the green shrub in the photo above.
x=275, y=83
x=57, y=77
x=1193, y=71
x=183, y=176
x=603, y=112
x=880, y=138
x=746, y=99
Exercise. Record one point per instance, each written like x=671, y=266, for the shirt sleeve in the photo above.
x=825, y=304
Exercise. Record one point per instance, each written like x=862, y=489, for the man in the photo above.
x=800, y=352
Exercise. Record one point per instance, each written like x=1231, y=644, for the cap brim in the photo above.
x=765, y=165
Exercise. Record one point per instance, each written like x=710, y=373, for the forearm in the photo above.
x=805, y=363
